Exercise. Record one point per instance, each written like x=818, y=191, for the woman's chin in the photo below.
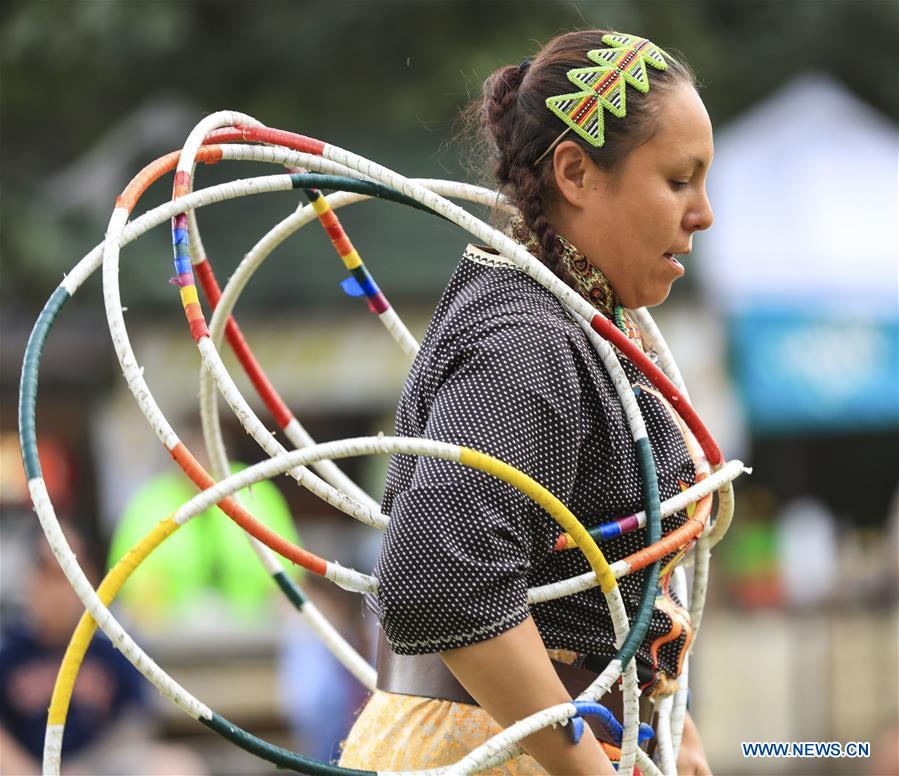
x=650, y=298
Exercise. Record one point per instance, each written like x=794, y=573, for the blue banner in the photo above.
x=802, y=370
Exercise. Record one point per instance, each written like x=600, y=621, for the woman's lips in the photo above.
x=678, y=267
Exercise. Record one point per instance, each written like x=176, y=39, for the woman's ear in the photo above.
x=574, y=172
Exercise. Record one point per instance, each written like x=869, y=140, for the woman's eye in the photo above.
x=678, y=185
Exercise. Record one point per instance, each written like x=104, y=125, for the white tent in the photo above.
x=804, y=188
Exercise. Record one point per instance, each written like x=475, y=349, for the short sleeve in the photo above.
x=456, y=556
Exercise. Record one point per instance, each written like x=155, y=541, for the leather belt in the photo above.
x=427, y=676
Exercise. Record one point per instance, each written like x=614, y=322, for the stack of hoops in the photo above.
x=314, y=166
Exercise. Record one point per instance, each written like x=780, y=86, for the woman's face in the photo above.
x=630, y=222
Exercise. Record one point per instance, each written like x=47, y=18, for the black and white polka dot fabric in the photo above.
x=504, y=370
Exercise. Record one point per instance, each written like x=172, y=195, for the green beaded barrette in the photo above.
x=603, y=86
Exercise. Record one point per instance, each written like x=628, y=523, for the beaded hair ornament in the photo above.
x=603, y=86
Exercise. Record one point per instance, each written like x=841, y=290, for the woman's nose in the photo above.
x=701, y=216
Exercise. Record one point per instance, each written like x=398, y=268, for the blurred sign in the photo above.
x=807, y=371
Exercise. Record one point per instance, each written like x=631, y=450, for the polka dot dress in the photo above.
x=504, y=370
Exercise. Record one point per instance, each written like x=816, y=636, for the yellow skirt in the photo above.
x=406, y=732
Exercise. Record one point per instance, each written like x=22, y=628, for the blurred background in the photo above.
x=785, y=326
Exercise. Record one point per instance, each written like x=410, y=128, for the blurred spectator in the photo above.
x=807, y=552
x=318, y=695
x=107, y=725
x=751, y=572
x=206, y=570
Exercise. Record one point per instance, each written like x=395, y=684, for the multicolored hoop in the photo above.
x=218, y=137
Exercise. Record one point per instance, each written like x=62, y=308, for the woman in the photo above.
x=609, y=196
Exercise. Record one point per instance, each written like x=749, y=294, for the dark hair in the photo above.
x=512, y=120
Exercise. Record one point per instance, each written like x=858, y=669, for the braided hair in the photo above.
x=513, y=122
